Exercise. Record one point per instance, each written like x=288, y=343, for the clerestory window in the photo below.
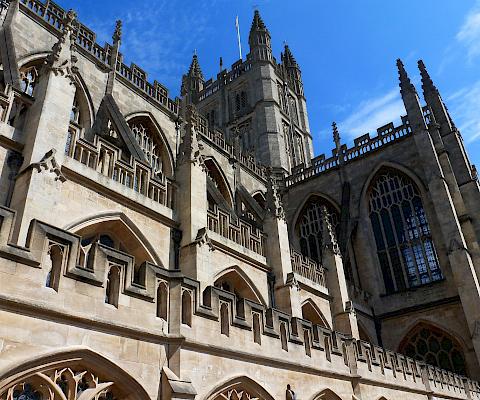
x=403, y=238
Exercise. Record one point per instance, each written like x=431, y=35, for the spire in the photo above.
x=257, y=23
x=411, y=100
x=195, y=71
x=288, y=58
x=259, y=40
x=405, y=83
x=434, y=100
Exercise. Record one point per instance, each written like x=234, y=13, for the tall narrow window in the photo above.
x=113, y=286
x=405, y=248
x=306, y=342
x=224, y=319
x=283, y=336
x=162, y=301
x=186, y=308
x=257, y=335
x=54, y=263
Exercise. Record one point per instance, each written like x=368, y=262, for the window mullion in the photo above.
x=400, y=256
x=387, y=248
x=410, y=244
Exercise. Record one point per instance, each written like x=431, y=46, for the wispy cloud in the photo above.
x=464, y=106
x=373, y=113
x=469, y=33
x=158, y=38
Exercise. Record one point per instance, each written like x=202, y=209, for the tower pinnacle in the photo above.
x=259, y=40
x=405, y=83
x=427, y=83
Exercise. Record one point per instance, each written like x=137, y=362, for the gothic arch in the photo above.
x=436, y=345
x=327, y=394
x=363, y=202
x=86, y=98
x=309, y=308
x=219, y=178
x=308, y=222
x=395, y=204
x=302, y=205
x=167, y=153
x=57, y=371
x=115, y=221
x=240, y=282
x=33, y=57
x=239, y=388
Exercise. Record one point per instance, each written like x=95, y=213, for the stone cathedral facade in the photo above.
x=194, y=248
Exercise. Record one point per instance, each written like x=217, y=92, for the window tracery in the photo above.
x=151, y=148
x=29, y=78
x=436, y=348
x=405, y=248
x=310, y=227
x=72, y=383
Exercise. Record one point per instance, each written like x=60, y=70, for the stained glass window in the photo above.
x=405, y=248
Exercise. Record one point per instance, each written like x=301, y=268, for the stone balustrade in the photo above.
x=105, y=158
x=239, y=232
x=308, y=268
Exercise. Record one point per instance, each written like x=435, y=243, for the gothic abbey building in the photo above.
x=194, y=248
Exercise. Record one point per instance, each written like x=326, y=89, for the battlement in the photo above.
x=211, y=310
x=51, y=16
x=362, y=146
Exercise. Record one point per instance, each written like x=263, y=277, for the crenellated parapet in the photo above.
x=214, y=310
x=51, y=16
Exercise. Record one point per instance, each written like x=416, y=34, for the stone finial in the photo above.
x=405, y=83
x=62, y=58
x=274, y=198
x=427, y=83
x=329, y=239
x=190, y=149
x=117, y=34
x=257, y=23
x=288, y=58
x=336, y=135
x=195, y=70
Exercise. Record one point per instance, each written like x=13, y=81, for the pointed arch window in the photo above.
x=310, y=227
x=435, y=347
x=405, y=248
x=29, y=77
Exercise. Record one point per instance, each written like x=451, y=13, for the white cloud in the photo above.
x=372, y=114
x=469, y=33
x=464, y=106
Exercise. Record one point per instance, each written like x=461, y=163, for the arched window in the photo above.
x=187, y=308
x=310, y=312
x=310, y=226
x=79, y=120
x=224, y=319
x=436, y=347
x=112, y=289
x=405, y=248
x=29, y=77
x=162, y=301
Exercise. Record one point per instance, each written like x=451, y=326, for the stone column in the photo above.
x=40, y=178
x=343, y=312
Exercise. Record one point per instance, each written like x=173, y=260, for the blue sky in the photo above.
x=346, y=50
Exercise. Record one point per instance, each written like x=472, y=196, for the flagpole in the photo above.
x=238, y=37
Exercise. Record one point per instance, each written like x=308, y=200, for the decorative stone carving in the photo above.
x=274, y=199
x=48, y=163
x=202, y=238
x=190, y=148
x=71, y=383
x=329, y=240
x=62, y=59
